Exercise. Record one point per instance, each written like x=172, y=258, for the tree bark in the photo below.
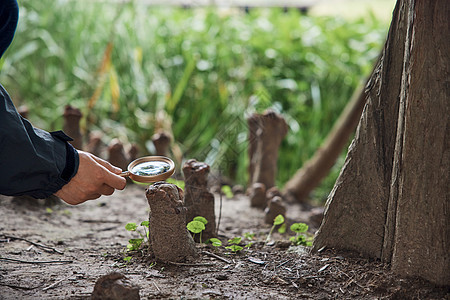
x=391, y=198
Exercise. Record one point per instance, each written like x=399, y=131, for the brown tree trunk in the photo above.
x=391, y=198
x=314, y=170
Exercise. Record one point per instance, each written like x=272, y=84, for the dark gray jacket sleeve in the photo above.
x=33, y=162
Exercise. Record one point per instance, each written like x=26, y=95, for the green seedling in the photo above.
x=276, y=222
x=215, y=242
x=197, y=225
x=249, y=236
x=234, y=244
x=226, y=189
x=135, y=244
x=282, y=228
x=234, y=248
x=299, y=238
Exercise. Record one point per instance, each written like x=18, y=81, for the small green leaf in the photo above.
x=127, y=259
x=249, y=236
x=234, y=248
x=282, y=228
x=249, y=245
x=195, y=226
x=278, y=220
x=201, y=219
x=145, y=223
x=131, y=227
x=215, y=242
x=299, y=227
x=49, y=210
x=235, y=240
x=226, y=189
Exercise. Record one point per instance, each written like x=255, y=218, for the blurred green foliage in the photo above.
x=200, y=72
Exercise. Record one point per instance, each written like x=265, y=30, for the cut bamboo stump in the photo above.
x=198, y=200
x=71, y=125
x=169, y=238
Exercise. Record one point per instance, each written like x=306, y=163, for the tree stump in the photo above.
x=266, y=131
x=116, y=154
x=274, y=208
x=198, y=200
x=71, y=126
x=169, y=237
x=133, y=152
x=95, y=145
x=161, y=141
x=257, y=195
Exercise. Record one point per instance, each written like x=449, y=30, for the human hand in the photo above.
x=95, y=177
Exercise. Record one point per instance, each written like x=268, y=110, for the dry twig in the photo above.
x=44, y=247
x=37, y=262
x=216, y=256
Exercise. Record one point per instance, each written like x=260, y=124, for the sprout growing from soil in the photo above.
x=299, y=238
x=135, y=244
x=215, y=242
x=235, y=244
x=276, y=222
x=197, y=225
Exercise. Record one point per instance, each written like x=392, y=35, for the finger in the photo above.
x=106, y=190
x=107, y=165
x=115, y=181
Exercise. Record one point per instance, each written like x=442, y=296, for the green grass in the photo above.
x=198, y=72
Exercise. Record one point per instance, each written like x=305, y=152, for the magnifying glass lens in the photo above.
x=150, y=168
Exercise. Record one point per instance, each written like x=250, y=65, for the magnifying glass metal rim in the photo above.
x=150, y=178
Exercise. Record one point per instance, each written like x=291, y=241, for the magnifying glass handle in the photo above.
x=125, y=174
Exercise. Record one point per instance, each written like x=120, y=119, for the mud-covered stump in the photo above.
x=161, y=141
x=257, y=195
x=198, y=200
x=169, y=237
x=71, y=125
x=274, y=208
x=116, y=154
x=266, y=131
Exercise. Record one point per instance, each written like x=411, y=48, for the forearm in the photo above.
x=32, y=161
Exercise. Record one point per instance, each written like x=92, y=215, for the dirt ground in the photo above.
x=87, y=241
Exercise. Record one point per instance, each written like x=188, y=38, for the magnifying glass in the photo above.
x=150, y=169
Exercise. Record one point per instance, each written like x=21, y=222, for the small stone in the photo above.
x=115, y=286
